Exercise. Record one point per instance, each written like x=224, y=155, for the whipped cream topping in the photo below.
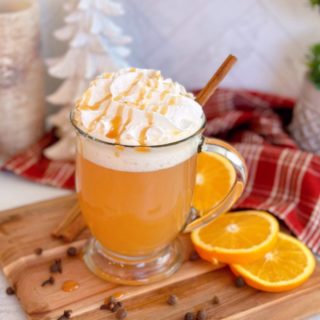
x=138, y=107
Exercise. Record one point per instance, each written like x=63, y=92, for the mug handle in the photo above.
x=233, y=156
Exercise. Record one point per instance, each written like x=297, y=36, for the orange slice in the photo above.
x=214, y=180
x=285, y=267
x=238, y=237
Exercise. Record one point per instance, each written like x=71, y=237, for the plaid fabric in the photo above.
x=33, y=165
x=282, y=179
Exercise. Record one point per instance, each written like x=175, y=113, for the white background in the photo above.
x=187, y=39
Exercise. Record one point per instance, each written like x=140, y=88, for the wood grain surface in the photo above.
x=24, y=229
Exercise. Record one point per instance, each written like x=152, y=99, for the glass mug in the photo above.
x=137, y=200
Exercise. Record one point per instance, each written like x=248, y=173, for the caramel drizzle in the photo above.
x=85, y=104
x=153, y=83
x=94, y=123
x=124, y=127
x=126, y=92
x=142, y=149
x=164, y=109
x=172, y=101
x=120, y=148
x=155, y=108
x=116, y=123
x=142, y=106
x=164, y=94
x=143, y=133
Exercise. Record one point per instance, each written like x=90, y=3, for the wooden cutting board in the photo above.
x=24, y=229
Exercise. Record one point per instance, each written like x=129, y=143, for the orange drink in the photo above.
x=135, y=213
x=138, y=136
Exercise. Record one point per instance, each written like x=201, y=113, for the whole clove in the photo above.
x=104, y=306
x=114, y=307
x=194, y=256
x=66, y=315
x=121, y=314
x=38, y=251
x=172, y=300
x=48, y=281
x=10, y=291
x=202, y=315
x=189, y=316
x=72, y=251
x=239, y=282
x=56, y=266
x=215, y=300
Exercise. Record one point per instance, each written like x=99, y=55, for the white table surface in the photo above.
x=15, y=192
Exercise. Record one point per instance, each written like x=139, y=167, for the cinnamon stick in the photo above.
x=204, y=95
x=71, y=225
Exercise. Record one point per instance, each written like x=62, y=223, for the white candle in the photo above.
x=21, y=76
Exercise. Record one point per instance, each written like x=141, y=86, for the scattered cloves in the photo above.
x=202, y=315
x=111, y=304
x=112, y=299
x=66, y=315
x=38, y=251
x=172, y=300
x=10, y=291
x=114, y=307
x=121, y=314
x=50, y=280
x=104, y=306
x=239, y=282
x=72, y=251
x=189, y=316
x=56, y=266
x=194, y=256
x=215, y=300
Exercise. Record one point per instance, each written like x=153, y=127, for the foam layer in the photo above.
x=132, y=160
x=138, y=107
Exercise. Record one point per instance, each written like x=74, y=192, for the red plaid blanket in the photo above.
x=282, y=179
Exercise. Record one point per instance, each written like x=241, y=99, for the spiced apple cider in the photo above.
x=134, y=181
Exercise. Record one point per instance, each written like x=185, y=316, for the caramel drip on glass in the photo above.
x=142, y=149
x=143, y=133
x=119, y=148
x=126, y=92
x=116, y=123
